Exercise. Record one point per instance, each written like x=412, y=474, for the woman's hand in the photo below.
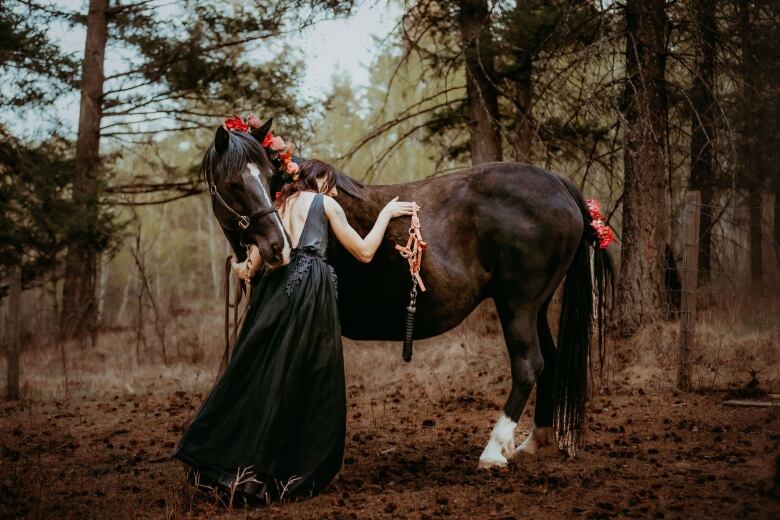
x=396, y=208
x=239, y=268
x=248, y=267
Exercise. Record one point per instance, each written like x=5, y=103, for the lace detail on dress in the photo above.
x=334, y=278
x=302, y=259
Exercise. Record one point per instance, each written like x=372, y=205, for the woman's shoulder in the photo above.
x=300, y=199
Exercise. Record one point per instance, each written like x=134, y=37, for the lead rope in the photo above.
x=231, y=337
x=412, y=251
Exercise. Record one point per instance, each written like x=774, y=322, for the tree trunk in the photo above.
x=703, y=127
x=776, y=225
x=640, y=296
x=750, y=167
x=13, y=333
x=79, y=309
x=756, y=236
x=481, y=92
x=523, y=91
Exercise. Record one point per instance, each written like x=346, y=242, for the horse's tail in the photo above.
x=576, y=327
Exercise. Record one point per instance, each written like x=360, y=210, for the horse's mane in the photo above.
x=242, y=149
x=349, y=185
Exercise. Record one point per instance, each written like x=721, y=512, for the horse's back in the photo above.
x=494, y=225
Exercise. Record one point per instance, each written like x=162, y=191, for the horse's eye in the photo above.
x=234, y=184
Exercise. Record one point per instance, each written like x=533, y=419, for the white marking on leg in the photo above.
x=501, y=445
x=537, y=440
x=255, y=171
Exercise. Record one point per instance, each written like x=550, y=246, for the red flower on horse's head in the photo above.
x=285, y=154
x=236, y=124
x=269, y=137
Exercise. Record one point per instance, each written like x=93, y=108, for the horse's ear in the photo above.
x=260, y=133
x=221, y=140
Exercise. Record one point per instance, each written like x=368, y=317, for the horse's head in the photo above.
x=238, y=173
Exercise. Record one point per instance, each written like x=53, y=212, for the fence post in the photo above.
x=14, y=325
x=690, y=269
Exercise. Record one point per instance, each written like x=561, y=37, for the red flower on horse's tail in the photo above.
x=604, y=233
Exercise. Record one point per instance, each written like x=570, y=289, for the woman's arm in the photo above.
x=364, y=248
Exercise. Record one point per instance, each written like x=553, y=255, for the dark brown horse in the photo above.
x=507, y=231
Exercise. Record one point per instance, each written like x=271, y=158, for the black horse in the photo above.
x=507, y=231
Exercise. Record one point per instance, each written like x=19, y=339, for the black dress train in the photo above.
x=279, y=410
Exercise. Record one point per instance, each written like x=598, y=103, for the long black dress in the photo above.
x=280, y=407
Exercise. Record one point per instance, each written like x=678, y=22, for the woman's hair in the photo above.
x=309, y=172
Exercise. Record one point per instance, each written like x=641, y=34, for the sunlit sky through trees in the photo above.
x=343, y=47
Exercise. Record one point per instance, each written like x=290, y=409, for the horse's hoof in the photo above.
x=539, y=441
x=492, y=462
x=527, y=448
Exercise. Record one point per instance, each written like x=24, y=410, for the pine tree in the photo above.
x=640, y=292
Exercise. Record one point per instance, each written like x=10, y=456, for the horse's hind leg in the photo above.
x=542, y=434
x=519, y=326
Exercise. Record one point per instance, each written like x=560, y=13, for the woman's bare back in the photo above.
x=294, y=214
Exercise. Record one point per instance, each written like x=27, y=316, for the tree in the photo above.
x=750, y=166
x=703, y=136
x=36, y=214
x=640, y=291
x=481, y=93
x=34, y=176
x=79, y=307
x=28, y=56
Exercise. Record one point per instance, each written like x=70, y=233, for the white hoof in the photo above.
x=539, y=440
x=501, y=445
x=492, y=460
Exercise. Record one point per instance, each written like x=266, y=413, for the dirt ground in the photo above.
x=647, y=455
x=415, y=431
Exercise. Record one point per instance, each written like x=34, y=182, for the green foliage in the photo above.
x=34, y=70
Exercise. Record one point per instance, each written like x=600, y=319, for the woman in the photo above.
x=273, y=426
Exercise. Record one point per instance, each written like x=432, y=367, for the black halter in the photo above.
x=243, y=220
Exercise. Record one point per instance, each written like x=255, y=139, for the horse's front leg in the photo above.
x=525, y=356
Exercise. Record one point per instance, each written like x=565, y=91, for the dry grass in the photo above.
x=738, y=334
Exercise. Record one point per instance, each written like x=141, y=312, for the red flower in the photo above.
x=603, y=232
x=267, y=139
x=236, y=124
x=594, y=207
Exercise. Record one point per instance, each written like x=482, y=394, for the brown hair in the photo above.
x=309, y=172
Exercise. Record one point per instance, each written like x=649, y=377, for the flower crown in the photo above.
x=277, y=149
